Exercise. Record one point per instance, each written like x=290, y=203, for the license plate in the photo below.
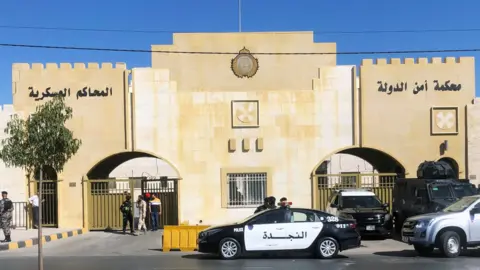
x=370, y=228
x=405, y=239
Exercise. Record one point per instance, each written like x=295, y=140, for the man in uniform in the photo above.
x=264, y=206
x=271, y=202
x=6, y=208
x=127, y=211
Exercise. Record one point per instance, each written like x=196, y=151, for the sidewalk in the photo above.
x=22, y=238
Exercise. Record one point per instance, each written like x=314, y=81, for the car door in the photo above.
x=266, y=231
x=475, y=226
x=303, y=229
x=334, y=201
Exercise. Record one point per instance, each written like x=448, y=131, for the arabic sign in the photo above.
x=291, y=237
x=390, y=88
x=84, y=92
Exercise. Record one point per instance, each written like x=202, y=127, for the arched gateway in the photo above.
x=385, y=169
x=105, y=194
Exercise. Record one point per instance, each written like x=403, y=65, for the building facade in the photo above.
x=238, y=127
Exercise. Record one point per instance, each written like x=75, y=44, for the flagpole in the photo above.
x=239, y=15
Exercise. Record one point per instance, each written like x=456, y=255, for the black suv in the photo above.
x=372, y=216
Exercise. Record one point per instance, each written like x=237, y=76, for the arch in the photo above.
x=105, y=166
x=453, y=163
x=381, y=160
x=48, y=173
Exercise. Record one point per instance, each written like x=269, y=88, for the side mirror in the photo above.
x=386, y=205
x=475, y=211
x=332, y=205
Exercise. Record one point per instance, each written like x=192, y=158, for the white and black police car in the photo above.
x=281, y=229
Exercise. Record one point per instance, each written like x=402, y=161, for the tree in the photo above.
x=39, y=141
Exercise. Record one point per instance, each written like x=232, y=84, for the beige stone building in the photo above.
x=237, y=127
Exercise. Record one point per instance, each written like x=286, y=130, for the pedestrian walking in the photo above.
x=127, y=211
x=34, y=203
x=142, y=210
x=6, y=209
x=155, y=211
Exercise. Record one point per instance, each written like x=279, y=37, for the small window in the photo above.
x=246, y=189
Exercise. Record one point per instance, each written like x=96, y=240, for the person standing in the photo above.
x=127, y=212
x=264, y=206
x=142, y=210
x=155, y=211
x=34, y=203
x=6, y=209
x=283, y=202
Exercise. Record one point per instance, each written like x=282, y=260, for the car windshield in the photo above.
x=461, y=205
x=463, y=190
x=360, y=202
x=440, y=191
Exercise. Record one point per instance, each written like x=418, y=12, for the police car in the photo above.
x=281, y=229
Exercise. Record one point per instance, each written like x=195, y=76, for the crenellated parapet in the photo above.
x=418, y=61
x=68, y=66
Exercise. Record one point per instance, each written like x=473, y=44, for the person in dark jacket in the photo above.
x=271, y=202
x=127, y=211
x=264, y=206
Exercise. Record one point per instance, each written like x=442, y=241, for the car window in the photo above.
x=271, y=217
x=303, y=216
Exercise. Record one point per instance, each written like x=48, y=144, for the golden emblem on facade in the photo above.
x=244, y=65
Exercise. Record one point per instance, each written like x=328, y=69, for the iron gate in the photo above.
x=49, y=202
x=166, y=189
x=105, y=196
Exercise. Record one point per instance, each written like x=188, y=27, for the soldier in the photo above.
x=6, y=208
x=127, y=212
x=271, y=202
x=264, y=206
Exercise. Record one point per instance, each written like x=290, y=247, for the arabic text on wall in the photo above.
x=389, y=88
x=81, y=93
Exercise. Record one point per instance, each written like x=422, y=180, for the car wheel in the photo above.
x=229, y=249
x=327, y=248
x=423, y=250
x=450, y=244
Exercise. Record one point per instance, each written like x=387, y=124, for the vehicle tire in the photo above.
x=327, y=248
x=423, y=250
x=450, y=244
x=229, y=249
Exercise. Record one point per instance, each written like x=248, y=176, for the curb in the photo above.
x=45, y=239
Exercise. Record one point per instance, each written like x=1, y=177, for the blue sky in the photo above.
x=221, y=16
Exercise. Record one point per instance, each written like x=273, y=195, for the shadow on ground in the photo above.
x=436, y=254
x=266, y=256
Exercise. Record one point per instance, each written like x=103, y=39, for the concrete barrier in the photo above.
x=181, y=238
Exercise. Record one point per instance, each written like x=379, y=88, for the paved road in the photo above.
x=100, y=251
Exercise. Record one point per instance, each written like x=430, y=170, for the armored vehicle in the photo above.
x=435, y=188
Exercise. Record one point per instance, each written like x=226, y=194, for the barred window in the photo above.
x=246, y=189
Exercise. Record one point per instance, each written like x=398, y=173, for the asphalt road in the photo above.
x=100, y=251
